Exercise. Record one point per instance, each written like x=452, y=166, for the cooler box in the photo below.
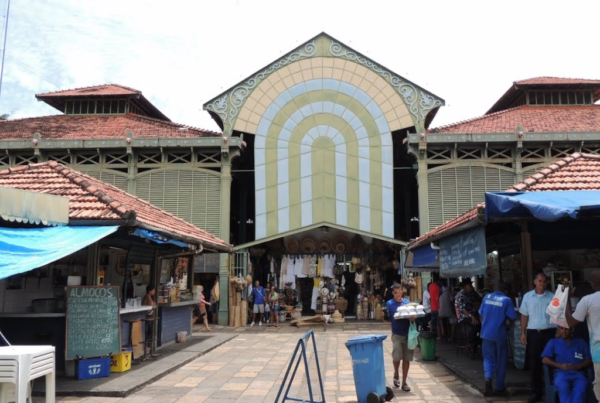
x=120, y=362
x=90, y=368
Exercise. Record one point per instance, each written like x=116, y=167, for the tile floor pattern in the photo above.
x=251, y=368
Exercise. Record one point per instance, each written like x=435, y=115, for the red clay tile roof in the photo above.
x=96, y=90
x=540, y=119
x=97, y=127
x=556, y=81
x=91, y=199
x=580, y=171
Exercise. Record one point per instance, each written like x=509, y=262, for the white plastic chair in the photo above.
x=19, y=365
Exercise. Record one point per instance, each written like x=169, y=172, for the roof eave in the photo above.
x=472, y=223
x=226, y=248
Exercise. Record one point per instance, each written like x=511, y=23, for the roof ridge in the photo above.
x=89, y=87
x=553, y=77
x=435, y=130
x=175, y=124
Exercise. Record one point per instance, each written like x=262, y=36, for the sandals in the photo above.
x=406, y=388
x=397, y=381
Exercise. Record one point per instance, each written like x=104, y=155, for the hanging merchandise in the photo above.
x=306, y=266
x=308, y=246
x=339, y=243
x=358, y=278
x=312, y=267
x=292, y=246
x=338, y=270
x=324, y=246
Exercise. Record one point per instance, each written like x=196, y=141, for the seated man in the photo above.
x=568, y=356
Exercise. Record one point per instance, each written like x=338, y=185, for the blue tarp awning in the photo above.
x=546, y=206
x=25, y=249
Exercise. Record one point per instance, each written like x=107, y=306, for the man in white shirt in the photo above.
x=589, y=309
x=423, y=322
x=536, y=330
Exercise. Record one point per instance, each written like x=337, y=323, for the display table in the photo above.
x=22, y=364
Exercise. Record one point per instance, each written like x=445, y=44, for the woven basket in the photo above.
x=308, y=246
x=341, y=305
x=324, y=246
x=339, y=243
x=292, y=245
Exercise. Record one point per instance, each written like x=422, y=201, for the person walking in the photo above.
x=258, y=295
x=400, y=327
x=568, y=357
x=536, y=331
x=589, y=309
x=495, y=309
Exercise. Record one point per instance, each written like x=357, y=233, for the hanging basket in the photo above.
x=292, y=246
x=339, y=243
x=324, y=246
x=308, y=246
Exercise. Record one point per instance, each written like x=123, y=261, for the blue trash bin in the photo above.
x=369, y=368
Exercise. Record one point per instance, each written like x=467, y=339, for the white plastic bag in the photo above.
x=556, y=308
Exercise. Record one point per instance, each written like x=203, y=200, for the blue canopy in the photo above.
x=24, y=249
x=158, y=238
x=425, y=256
x=545, y=206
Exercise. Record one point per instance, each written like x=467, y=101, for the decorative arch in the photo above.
x=323, y=117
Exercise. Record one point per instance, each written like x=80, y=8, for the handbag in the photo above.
x=267, y=308
x=358, y=278
x=413, y=336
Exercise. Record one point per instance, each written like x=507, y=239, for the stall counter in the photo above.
x=174, y=317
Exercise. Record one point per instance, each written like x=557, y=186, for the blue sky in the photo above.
x=180, y=54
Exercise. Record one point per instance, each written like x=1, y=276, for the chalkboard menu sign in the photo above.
x=463, y=254
x=93, y=324
x=519, y=348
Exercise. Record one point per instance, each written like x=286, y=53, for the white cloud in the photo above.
x=183, y=53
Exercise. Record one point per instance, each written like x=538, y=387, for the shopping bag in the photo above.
x=556, y=308
x=413, y=336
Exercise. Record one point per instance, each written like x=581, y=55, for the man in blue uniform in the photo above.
x=568, y=356
x=400, y=328
x=495, y=309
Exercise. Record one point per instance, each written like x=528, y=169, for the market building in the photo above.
x=537, y=121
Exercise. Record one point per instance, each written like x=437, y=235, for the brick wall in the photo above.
x=173, y=320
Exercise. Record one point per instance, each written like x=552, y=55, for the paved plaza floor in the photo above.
x=250, y=368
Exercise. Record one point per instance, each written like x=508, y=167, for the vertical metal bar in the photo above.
x=286, y=374
x=287, y=391
x=307, y=371
x=318, y=367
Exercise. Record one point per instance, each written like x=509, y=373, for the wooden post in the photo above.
x=526, y=256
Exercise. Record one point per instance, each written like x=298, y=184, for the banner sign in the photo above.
x=463, y=254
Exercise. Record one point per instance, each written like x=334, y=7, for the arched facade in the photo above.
x=323, y=118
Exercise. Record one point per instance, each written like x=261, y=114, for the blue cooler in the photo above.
x=369, y=368
x=91, y=368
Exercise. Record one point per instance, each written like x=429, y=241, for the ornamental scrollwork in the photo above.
x=407, y=91
x=229, y=105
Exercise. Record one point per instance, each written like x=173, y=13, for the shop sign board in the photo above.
x=464, y=254
x=519, y=348
x=93, y=325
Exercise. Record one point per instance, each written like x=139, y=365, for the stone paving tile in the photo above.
x=234, y=373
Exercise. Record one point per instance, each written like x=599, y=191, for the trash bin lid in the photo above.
x=368, y=338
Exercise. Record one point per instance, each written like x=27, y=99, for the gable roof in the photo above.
x=73, y=127
x=580, y=171
x=239, y=91
x=575, y=118
x=57, y=99
x=517, y=89
x=91, y=199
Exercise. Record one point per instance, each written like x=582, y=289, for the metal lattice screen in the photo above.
x=116, y=179
x=193, y=195
x=455, y=190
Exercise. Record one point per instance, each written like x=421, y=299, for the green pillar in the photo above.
x=224, y=234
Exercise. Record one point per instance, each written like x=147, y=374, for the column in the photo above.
x=223, y=318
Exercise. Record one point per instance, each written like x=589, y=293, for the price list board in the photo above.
x=93, y=322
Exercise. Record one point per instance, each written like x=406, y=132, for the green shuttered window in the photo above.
x=193, y=195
